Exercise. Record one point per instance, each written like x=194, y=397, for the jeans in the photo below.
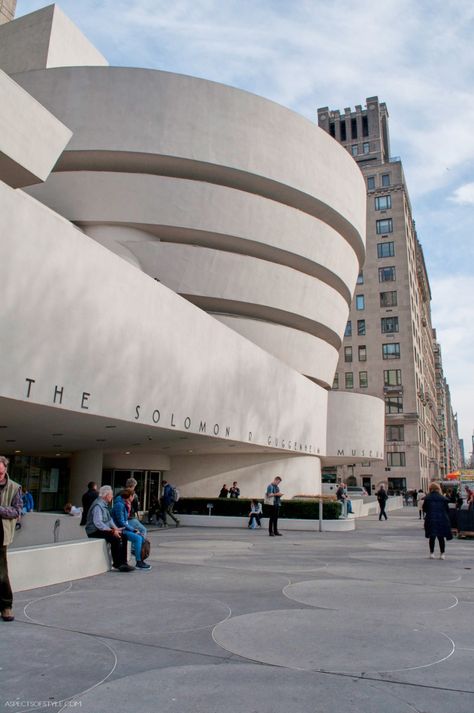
x=168, y=510
x=137, y=525
x=255, y=516
x=273, y=512
x=6, y=595
x=137, y=542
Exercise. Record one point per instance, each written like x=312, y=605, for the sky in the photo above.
x=417, y=56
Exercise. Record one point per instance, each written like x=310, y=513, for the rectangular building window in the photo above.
x=349, y=380
x=335, y=383
x=391, y=351
x=354, y=128
x=386, y=249
x=395, y=433
x=360, y=302
x=388, y=299
x=332, y=129
x=385, y=180
x=363, y=379
x=393, y=404
x=392, y=377
x=366, y=147
x=348, y=329
x=387, y=274
x=383, y=202
x=384, y=226
x=362, y=352
x=365, y=126
x=389, y=324
x=354, y=150
x=342, y=127
x=371, y=183
x=361, y=327
x=360, y=278
x=396, y=459
x=347, y=354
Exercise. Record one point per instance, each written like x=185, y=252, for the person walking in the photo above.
x=382, y=498
x=168, y=502
x=273, y=500
x=10, y=511
x=437, y=525
x=87, y=499
x=420, y=500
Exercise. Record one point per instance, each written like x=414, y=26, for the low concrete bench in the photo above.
x=43, y=565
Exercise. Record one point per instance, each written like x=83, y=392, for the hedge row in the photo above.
x=240, y=507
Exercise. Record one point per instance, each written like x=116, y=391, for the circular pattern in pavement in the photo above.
x=432, y=572
x=57, y=665
x=106, y=614
x=210, y=546
x=380, y=598
x=238, y=688
x=299, y=639
x=272, y=562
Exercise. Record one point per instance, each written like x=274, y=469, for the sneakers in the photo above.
x=432, y=556
x=7, y=615
x=143, y=565
x=442, y=556
x=124, y=568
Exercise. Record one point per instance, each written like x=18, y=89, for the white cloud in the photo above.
x=464, y=195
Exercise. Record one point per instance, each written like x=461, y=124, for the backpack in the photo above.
x=174, y=494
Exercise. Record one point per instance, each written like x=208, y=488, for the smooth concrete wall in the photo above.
x=355, y=428
x=206, y=214
x=85, y=466
x=31, y=138
x=125, y=341
x=46, y=38
x=38, y=528
x=286, y=524
x=44, y=565
x=204, y=476
x=309, y=355
x=244, y=284
x=162, y=123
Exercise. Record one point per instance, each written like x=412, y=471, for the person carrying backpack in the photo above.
x=170, y=497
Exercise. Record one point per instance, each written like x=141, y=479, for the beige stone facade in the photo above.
x=388, y=348
x=7, y=10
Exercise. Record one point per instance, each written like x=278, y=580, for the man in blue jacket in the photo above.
x=168, y=502
x=100, y=524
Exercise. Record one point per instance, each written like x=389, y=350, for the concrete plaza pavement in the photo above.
x=232, y=621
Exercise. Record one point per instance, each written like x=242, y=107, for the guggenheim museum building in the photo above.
x=178, y=261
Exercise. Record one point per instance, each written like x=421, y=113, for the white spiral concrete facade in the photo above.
x=240, y=209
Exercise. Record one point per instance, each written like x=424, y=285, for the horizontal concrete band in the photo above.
x=156, y=350
x=234, y=221
x=252, y=286
x=121, y=162
x=135, y=120
x=355, y=428
x=305, y=352
x=31, y=138
x=44, y=565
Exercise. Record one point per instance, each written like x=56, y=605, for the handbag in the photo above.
x=146, y=546
x=268, y=499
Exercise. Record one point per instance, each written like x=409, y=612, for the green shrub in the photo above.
x=306, y=509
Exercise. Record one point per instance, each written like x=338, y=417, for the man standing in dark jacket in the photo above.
x=382, y=498
x=87, y=499
x=437, y=525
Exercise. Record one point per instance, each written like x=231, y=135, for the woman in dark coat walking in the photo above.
x=437, y=525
